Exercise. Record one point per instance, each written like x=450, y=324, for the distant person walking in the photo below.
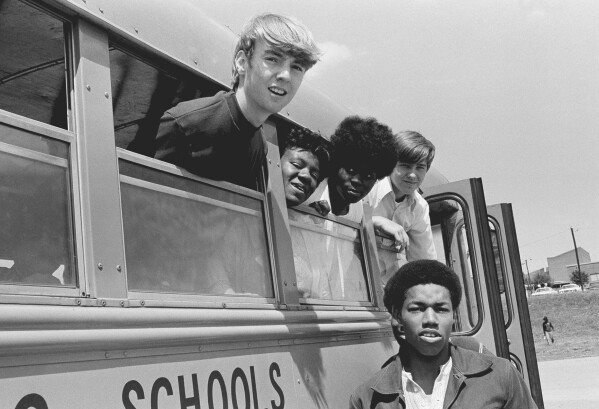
x=548, y=330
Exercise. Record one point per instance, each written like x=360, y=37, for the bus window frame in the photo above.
x=467, y=223
x=503, y=264
x=156, y=298
x=11, y=292
x=173, y=68
x=313, y=303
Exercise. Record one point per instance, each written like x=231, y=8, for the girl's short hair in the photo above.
x=305, y=139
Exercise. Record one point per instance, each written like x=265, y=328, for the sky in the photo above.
x=507, y=90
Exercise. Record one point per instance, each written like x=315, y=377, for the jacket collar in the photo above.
x=465, y=363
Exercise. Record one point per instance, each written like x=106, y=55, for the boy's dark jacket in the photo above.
x=476, y=381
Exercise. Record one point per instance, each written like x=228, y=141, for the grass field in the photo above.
x=575, y=317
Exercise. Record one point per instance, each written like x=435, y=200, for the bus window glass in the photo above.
x=501, y=273
x=328, y=258
x=467, y=275
x=452, y=240
x=183, y=236
x=33, y=64
x=142, y=93
x=36, y=238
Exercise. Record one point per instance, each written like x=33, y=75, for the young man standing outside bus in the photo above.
x=400, y=213
x=219, y=137
x=429, y=371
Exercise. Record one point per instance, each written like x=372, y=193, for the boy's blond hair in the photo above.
x=281, y=32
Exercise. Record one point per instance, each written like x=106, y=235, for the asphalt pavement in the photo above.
x=570, y=383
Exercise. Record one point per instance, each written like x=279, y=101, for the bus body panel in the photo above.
x=519, y=331
x=314, y=374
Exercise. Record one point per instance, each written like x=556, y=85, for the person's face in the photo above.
x=301, y=171
x=427, y=318
x=270, y=78
x=351, y=185
x=407, y=177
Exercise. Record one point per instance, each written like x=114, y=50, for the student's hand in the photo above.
x=321, y=206
x=388, y=228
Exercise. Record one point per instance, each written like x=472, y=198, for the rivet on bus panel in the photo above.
x=269, y=162
x=100, y=266
x=106, y=355
x=103, y=303
x=106, y=94
x=125, y=354
x=88, y=87
x=200, y=348
x=101, y=10
x=224, y=305
x=142, y=302
x=136, y=30
x=78, y=302
x=122, y=303
x=285, y=282
x=119, y=268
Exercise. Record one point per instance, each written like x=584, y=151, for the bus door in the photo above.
x=462, y=239
x=513, y=296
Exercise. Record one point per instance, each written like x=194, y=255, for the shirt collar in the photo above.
x=464, y=363
x=239, y=119
x=386, y=188
x=442, y=377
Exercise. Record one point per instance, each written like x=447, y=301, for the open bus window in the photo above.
x=33, y=64
x=186, y=237
x=501, y=271
x=142, y=93
x=36, y=238
x=452, y=241
x=328, y=258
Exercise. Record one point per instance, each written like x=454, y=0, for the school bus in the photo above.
x=112, y=263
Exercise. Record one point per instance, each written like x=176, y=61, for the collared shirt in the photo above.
x=415, y=396
x=353, y=212
x=211, y=137
x=412, y=213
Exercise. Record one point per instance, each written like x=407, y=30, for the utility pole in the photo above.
x=528, y=274
x=577, y=260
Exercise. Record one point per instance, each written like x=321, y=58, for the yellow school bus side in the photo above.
x=76, y=329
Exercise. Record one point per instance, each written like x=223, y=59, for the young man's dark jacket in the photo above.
x=211, y=137
x=476, y=381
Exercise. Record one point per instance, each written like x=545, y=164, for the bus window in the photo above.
x=329, y=259
x=453, y=241
x=33, y=64
x=501, y=271
x=36, y=238
x=185, y=236
x=142, y=93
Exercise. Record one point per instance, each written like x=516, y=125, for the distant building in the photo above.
x=558, y=265
x=592, y=269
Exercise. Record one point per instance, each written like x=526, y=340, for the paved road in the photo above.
x=570, y=383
